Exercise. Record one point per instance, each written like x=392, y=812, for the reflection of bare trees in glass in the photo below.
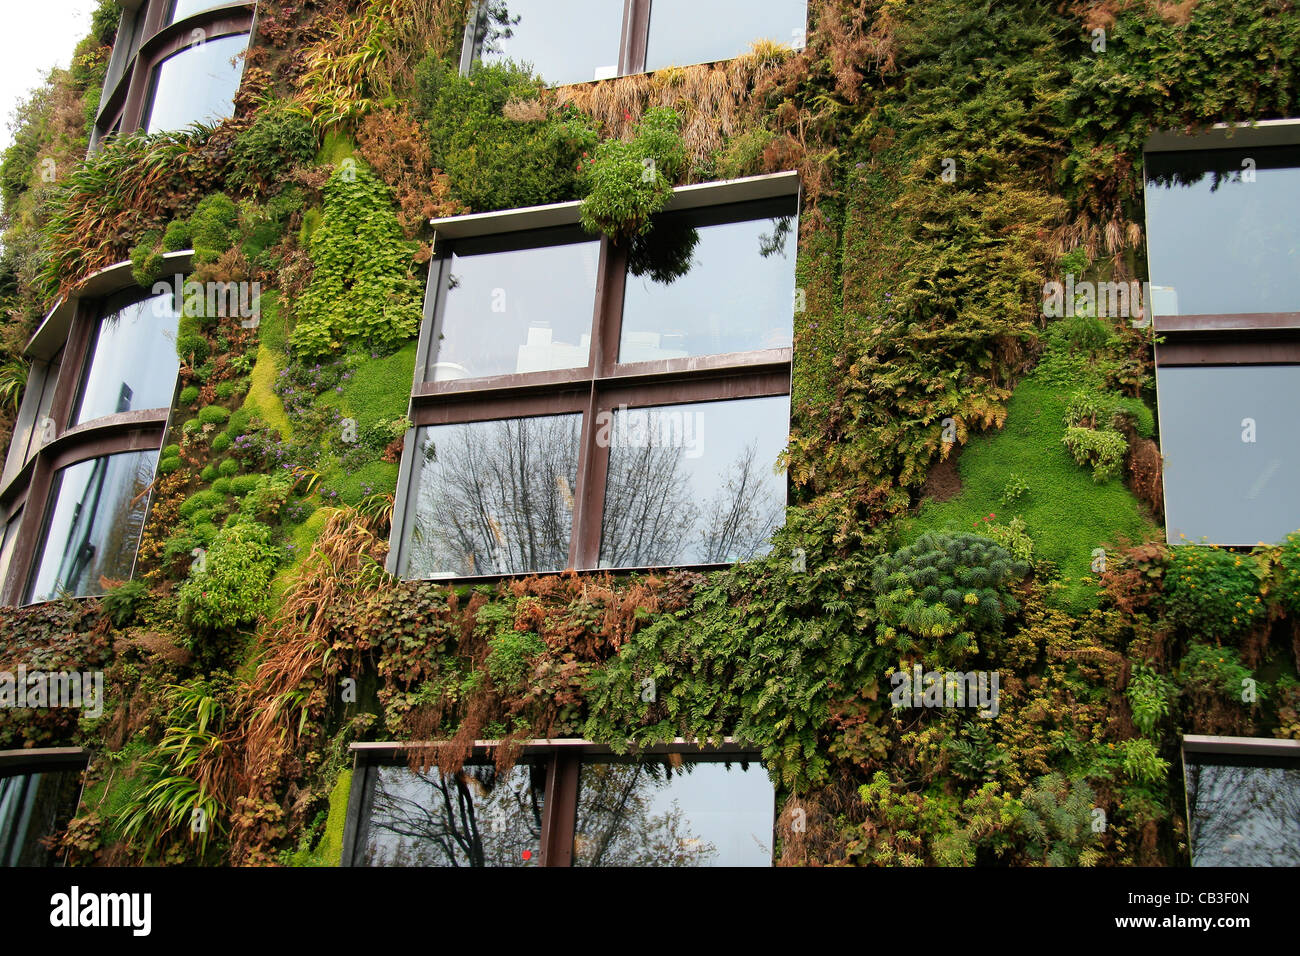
x=617, y=826
x=1244, y=816
x=496, y=24
x=648, y=508
x=492, y=497
x=740, y=517
x=474, y=818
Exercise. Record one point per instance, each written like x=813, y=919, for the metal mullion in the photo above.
x=636, y=30
x=560, y=816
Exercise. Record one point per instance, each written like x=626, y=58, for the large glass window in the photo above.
x=673, y=811
x=34, y=807
x=638, y=427
x=523, y=305
x=578, y=41
x=477, y=817
x=196, y=85
x=93, y=526
x=1224, y=237
x=693, y=484
x=8, y=544
x=133, y=361
x=180, y=9
x=563, y=41
x=683, y=32
x=710, y=282
x=494, y=497
x=1231, y=446
x=1243, y=810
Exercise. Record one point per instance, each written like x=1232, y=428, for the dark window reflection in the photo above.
x=477, y=817
x=133, y=363
x=708, y=283
x=196, y=85
x=683, y=32
x=1219, y=242
x=94, y=526
x=187, y=8
x=564, y=41
x=1227, y=479
x=692, y=484
x=670, y=812
x=494, y=497
x=33, y=807
x=8, y=545
x=523, y=308
x=1243, y=811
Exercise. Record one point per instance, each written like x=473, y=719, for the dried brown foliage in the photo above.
x=393, y=145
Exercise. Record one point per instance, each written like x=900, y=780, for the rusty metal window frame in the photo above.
x=599, y=387
x=563, y=759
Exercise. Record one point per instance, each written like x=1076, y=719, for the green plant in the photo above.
x=221, y=442
x=491, y=160
x=1213, y=592
x=362, y=288
x=228, y=468
x=122, y=603
x=629, y=181
x=1142, y=763
x=1150, y=695
x=1057, y=820
x=1015, y=488
x=262, y=155
x=231, y=588
x=189, y=395
x=213, y=415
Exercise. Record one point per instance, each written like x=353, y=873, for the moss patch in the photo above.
x=1065, y=511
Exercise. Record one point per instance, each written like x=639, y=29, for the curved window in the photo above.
x=133, y=363
x=94, y=525
x=187, y=8
x=196, y=85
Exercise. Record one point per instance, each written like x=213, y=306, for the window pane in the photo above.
x=187, y=8
x=705, y=284
x=94, y=526
x=649, y=812
x=494, y=497
x=564, y=41
x=477, y=817
x=1244, y=812
x=692, y=484
x=1228, y=479
x=525, y=308
x=683, y=32
x=134, y=362
x=1220, y=242
x=196, y=85
x=7, y=546
x=34, y=806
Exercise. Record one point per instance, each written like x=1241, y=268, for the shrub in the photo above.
x=214, y=227
x=213, y=415
x=167, y=465
x=189, y=394
x=177, y=236
x=221, y=486
x=1103, y=450
x=232, y=589
x=227, y=389
x=267, y=496
x=229, y=468
x=192, y=347
x=630, y=181
x=1210, y=591
x=262, y=155
x=1142, y=763
x=209, y=473
x=492, y=161
x=171, y=451
x=362, y=287
x=221, y=442
x=199, y=500
x=241, y=485
x=146, y=259
x=122, y=603
x=1150, y=696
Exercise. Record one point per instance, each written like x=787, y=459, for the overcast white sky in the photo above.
x=37, y=35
